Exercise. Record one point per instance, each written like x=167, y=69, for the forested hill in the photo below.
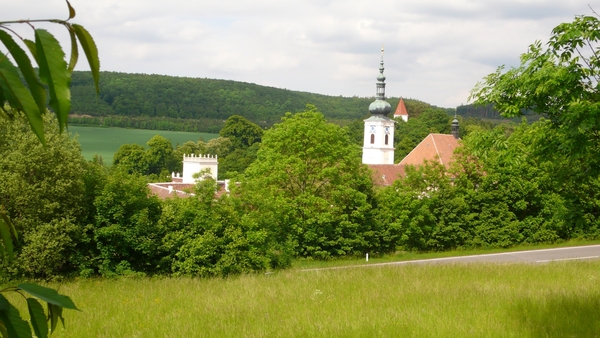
x=141, y=100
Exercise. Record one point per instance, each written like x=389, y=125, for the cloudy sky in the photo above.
x=435, y=50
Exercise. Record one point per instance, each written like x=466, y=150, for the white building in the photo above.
x=378, y=145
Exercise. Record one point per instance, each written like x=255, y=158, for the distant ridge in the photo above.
x=143, y=101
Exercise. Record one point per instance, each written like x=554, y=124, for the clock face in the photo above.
x=387, y=129
x=372, y=128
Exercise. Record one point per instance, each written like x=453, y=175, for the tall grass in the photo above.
x=559, y=299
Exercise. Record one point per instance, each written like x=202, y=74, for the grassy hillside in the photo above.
x=478, y=300
x=106, y=141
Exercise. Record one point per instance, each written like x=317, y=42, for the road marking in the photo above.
x=459, y=258
x=566, y=259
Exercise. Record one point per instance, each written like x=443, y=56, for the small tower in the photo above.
x=378, y=146
x=455, y=132
x=401, y=111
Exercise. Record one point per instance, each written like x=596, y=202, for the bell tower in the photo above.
x=378, y=146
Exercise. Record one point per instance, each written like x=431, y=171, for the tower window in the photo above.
x=372, y=138
x=386, y=139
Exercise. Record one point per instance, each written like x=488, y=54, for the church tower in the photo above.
x=378, y=146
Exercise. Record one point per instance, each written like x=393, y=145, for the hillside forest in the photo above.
x=301, y=191
x=201, y=105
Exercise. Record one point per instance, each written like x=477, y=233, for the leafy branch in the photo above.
x=54, y=72
x=30, y=97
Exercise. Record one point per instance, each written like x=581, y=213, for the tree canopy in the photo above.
x=558, y=80
x=310, y=189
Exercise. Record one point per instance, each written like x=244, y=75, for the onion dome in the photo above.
x=380, y=106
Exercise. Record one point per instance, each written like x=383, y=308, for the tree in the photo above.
x=159, y=156
x=241, y=132
x=126, y=225
x=310, y=189
x=30, y=100
x=131, y=157
x=559, y=81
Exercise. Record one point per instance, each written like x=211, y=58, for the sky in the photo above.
x=435, y=50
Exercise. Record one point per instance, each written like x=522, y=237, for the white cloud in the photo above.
x=435, y=50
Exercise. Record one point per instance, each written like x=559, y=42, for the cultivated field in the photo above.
x=106, y=141
x=560, y=299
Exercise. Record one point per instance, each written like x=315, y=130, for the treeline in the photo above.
x=203, y=125
x=489, y=112
x=157, y=101
x=301, y=193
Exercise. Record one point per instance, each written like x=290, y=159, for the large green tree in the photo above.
x=558, y=80
x=310, y=189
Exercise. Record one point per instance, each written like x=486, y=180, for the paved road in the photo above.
x=529, y=256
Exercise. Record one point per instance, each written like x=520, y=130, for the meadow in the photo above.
x=106, y=141
x=560, y=299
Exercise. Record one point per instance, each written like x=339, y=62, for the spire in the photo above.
x=455, y=127
x=380, y=106
x=401, y=109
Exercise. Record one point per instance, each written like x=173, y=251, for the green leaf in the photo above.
x=54, y=73
x=48, y=295
x=31, y=46
x=54, y=313
x=35, y=86
x=8, y=222
x=19, y=97
x=74, y=49
x=3, y=331
x=37, y=318
x=6, y=239
x=91, y=52
x=71, y=11
x=11, y=318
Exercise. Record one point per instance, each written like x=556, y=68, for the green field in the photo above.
x=106, y=141
x=560, y=299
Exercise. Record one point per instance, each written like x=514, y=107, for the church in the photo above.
x=378, y=144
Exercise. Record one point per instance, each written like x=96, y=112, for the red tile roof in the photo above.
x=163, y=191
x=386, y=174
x=401, y=109
x=439, y=147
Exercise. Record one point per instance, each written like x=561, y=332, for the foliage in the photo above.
x=126, y=232
x=245, y=138
x=29, y=98
x=206, y=236
x=54, y=72
x=194, y=104
x=310, y=190
x=495, y=194
x=559, y=82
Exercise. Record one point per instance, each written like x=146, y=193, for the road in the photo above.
x=529, y=256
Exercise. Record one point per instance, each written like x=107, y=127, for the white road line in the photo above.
x=566, y=259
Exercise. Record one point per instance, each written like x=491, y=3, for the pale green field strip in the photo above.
x=559, y=299
x=106, y=141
